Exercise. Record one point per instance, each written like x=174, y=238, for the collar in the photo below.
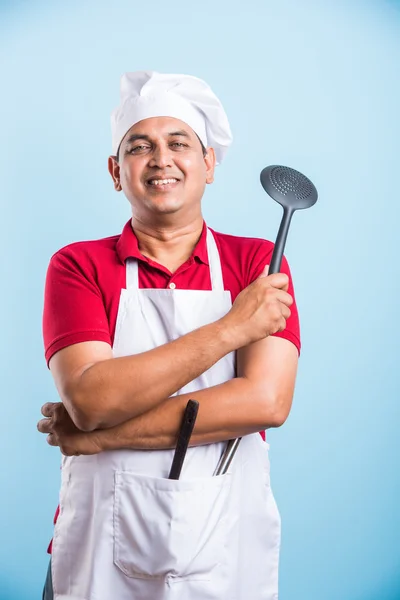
x=128, y=246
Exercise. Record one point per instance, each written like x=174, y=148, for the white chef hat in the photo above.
x=146, y=94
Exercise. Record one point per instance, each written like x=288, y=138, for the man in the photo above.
x=136, y=325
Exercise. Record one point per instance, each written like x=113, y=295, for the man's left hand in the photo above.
x=63, y=432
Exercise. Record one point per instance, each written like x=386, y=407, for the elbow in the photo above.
x=275, y=413
x=82, y=410
x=84, y=422
x=83, y=418
x=277, y=419
x=88, y=400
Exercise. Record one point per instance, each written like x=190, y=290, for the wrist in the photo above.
x=229, y=335
x=104, y=439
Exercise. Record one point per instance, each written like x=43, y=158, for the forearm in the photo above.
x=113, y=391
x=226, y=411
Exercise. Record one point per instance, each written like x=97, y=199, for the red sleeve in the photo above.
x=260, y=260
x=73, y=306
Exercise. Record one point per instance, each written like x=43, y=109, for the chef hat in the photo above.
x=146, y=94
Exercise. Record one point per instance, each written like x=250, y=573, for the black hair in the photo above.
x=204, y=149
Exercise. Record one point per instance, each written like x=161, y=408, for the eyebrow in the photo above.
x=180, y=132
x=141, y=136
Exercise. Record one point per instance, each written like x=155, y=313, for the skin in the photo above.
x=108, y=403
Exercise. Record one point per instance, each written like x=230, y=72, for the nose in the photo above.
x=161, y=157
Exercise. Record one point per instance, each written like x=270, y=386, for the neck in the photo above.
x=169, y=245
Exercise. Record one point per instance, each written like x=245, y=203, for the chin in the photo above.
x=165, y=206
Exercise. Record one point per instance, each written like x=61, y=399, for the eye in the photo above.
x=179, y=144
x=137, y=149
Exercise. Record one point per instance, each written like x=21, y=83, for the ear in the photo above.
x=210, y=161
x=114, y=170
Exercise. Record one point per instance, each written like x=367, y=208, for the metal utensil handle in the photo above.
x=188, y=421
x=232, y=445
x=226, y=457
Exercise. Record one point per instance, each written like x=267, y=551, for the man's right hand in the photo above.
x=260, y=310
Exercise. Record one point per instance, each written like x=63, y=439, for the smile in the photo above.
x=161, y=181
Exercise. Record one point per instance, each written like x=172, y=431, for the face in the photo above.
x=162, y=169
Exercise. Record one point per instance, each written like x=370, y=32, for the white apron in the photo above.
x=125, y=531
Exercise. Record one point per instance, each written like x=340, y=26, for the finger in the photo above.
x=282, y=324
x=52, y=440
x=284, y=298
x=44, y=425
x=48, y=409
x=264, y=272
x=286, y=312
x=277, y=295
x=279, y=280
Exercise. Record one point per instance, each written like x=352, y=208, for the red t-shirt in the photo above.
x=84, y=281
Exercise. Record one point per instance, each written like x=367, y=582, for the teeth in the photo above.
x=162, y=181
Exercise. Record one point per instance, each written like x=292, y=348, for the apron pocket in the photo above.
x=165, y=528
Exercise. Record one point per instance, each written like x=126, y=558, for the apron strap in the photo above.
x=132, y=274
x=217, y=282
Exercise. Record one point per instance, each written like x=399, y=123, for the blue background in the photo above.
x=312, y=85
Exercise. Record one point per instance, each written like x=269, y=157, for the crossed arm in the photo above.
x=111, y=403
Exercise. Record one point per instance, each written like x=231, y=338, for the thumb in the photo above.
x=264, y=272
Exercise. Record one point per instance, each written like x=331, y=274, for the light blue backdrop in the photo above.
x=312, y=85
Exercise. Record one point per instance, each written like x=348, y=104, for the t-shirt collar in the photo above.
x=128, y=247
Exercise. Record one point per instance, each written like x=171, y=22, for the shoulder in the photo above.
x=86, y=255
x=241, y=243
x=245, y=256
